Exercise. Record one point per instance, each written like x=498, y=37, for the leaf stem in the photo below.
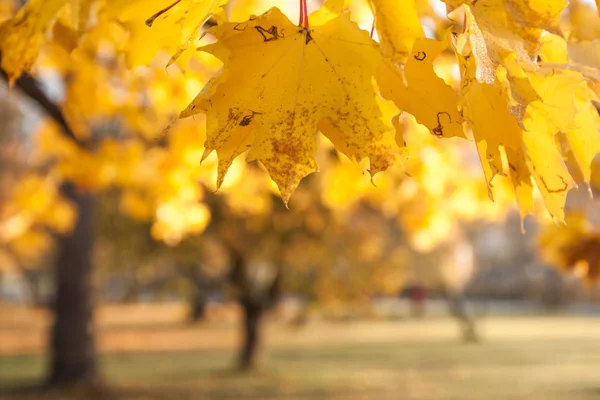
x=305, y=14
x=372, y=28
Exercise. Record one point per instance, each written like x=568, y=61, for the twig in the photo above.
x=31, y=87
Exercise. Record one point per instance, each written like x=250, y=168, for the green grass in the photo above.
x=562, y=365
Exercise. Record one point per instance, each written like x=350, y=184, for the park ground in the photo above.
x=147, y=353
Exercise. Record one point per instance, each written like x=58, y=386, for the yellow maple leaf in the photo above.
x=495, y=40
x=398, y=27
x=486, y=112
x=500, y=32
x=546, y=163
x=584, y=137
x=156, y=25
x=543, y=14
x=293, y=81
x=190, y=15
x=521, y=180
x=530, y=146
x=22, y=36
x=330, y=10
x=554, y=49
x=528, y=106
x=425, y=95
x=557, y=89
x=565, y=106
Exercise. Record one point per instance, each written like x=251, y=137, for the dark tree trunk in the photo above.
x=253, y=313
x=72, y=349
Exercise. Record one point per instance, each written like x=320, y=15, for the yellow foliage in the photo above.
x=521, y=97
x=544, y=14
x=398, y=27
x=160, y=25
x=584, y=22
x=575, y=247
x=22, y=36
x=528, y=109
x=298, y=80
x=426, y=96
x=29, y=214
x=178, y=219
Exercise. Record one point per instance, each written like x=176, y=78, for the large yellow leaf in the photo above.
x=557, y=90
x=544, y=14
x=22, y=36
x=546, y=163
x=280, y=82
x=425, y=95
x=398, y=27
x=521, y=180
x=501, y=33
x=190, y=15
x=330, y=10
x=530, y=145
x=496, y=40
x=584, y=137
x=485, y=110
x=156, y=25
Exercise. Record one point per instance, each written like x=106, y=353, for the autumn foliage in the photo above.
x=242, y=77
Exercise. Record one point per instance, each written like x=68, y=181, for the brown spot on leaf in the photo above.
x=270, y=34
x=420, y=56
x=439, y=129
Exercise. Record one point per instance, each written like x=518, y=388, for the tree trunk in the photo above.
x=72, y=348
x=253, y=313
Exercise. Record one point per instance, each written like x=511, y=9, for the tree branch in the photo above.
x=31, y=87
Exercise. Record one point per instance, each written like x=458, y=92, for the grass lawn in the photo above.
x=543, y=358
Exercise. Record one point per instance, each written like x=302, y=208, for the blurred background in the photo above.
x=125, y=274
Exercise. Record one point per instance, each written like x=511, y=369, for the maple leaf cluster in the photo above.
x=518, y=93
x=520, y=97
